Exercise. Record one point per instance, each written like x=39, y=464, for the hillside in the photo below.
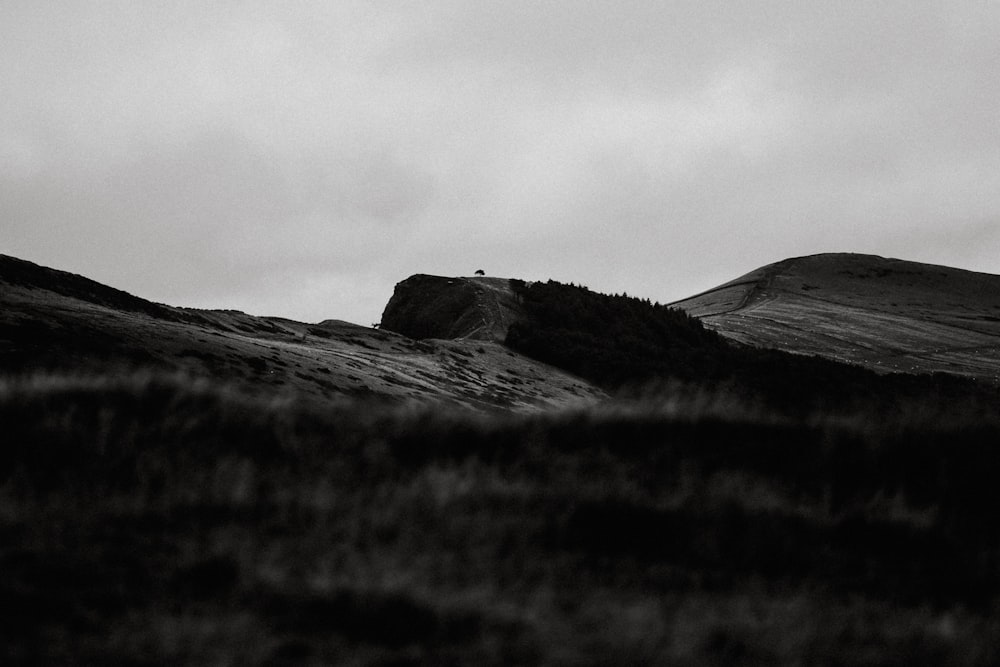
x=884, y=314
x=51, y=319
x=195, y=487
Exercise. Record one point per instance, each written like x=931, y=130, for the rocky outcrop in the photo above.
x=477, y=308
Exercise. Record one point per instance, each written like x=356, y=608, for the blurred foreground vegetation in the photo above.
x=150, y=519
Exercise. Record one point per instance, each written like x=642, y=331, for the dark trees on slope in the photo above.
x=625, y=344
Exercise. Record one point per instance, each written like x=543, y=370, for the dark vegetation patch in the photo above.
x=611, y=340
x=327, y=385
x=201, y=355
x=384, y=618
x=30, y=345
x=257, y=364
x=320, y=332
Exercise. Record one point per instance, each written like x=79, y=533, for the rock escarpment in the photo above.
x=477, y=308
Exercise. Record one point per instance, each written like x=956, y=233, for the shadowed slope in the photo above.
x=885, y=314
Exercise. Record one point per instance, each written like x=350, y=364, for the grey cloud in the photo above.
x=216, y=213
x=301, y=158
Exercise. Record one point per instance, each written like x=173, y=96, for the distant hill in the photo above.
x=884, y=314
x=55, y=320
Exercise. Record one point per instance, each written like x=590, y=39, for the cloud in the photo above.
x=300, y=158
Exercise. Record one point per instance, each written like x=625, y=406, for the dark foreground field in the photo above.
x=159, y=520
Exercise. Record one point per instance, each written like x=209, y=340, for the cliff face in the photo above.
x=477, y=308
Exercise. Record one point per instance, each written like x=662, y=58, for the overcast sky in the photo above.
x=300, y=158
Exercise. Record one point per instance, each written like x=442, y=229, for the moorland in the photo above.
x=503, y=473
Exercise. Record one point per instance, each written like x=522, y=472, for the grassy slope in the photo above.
x=51, y=319
x=151, y=520
x=884, y=314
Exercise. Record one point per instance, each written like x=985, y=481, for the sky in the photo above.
x=298, y=159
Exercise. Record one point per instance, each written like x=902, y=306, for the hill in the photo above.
x=884, y=314
x=630, y=346
x=54, y=320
